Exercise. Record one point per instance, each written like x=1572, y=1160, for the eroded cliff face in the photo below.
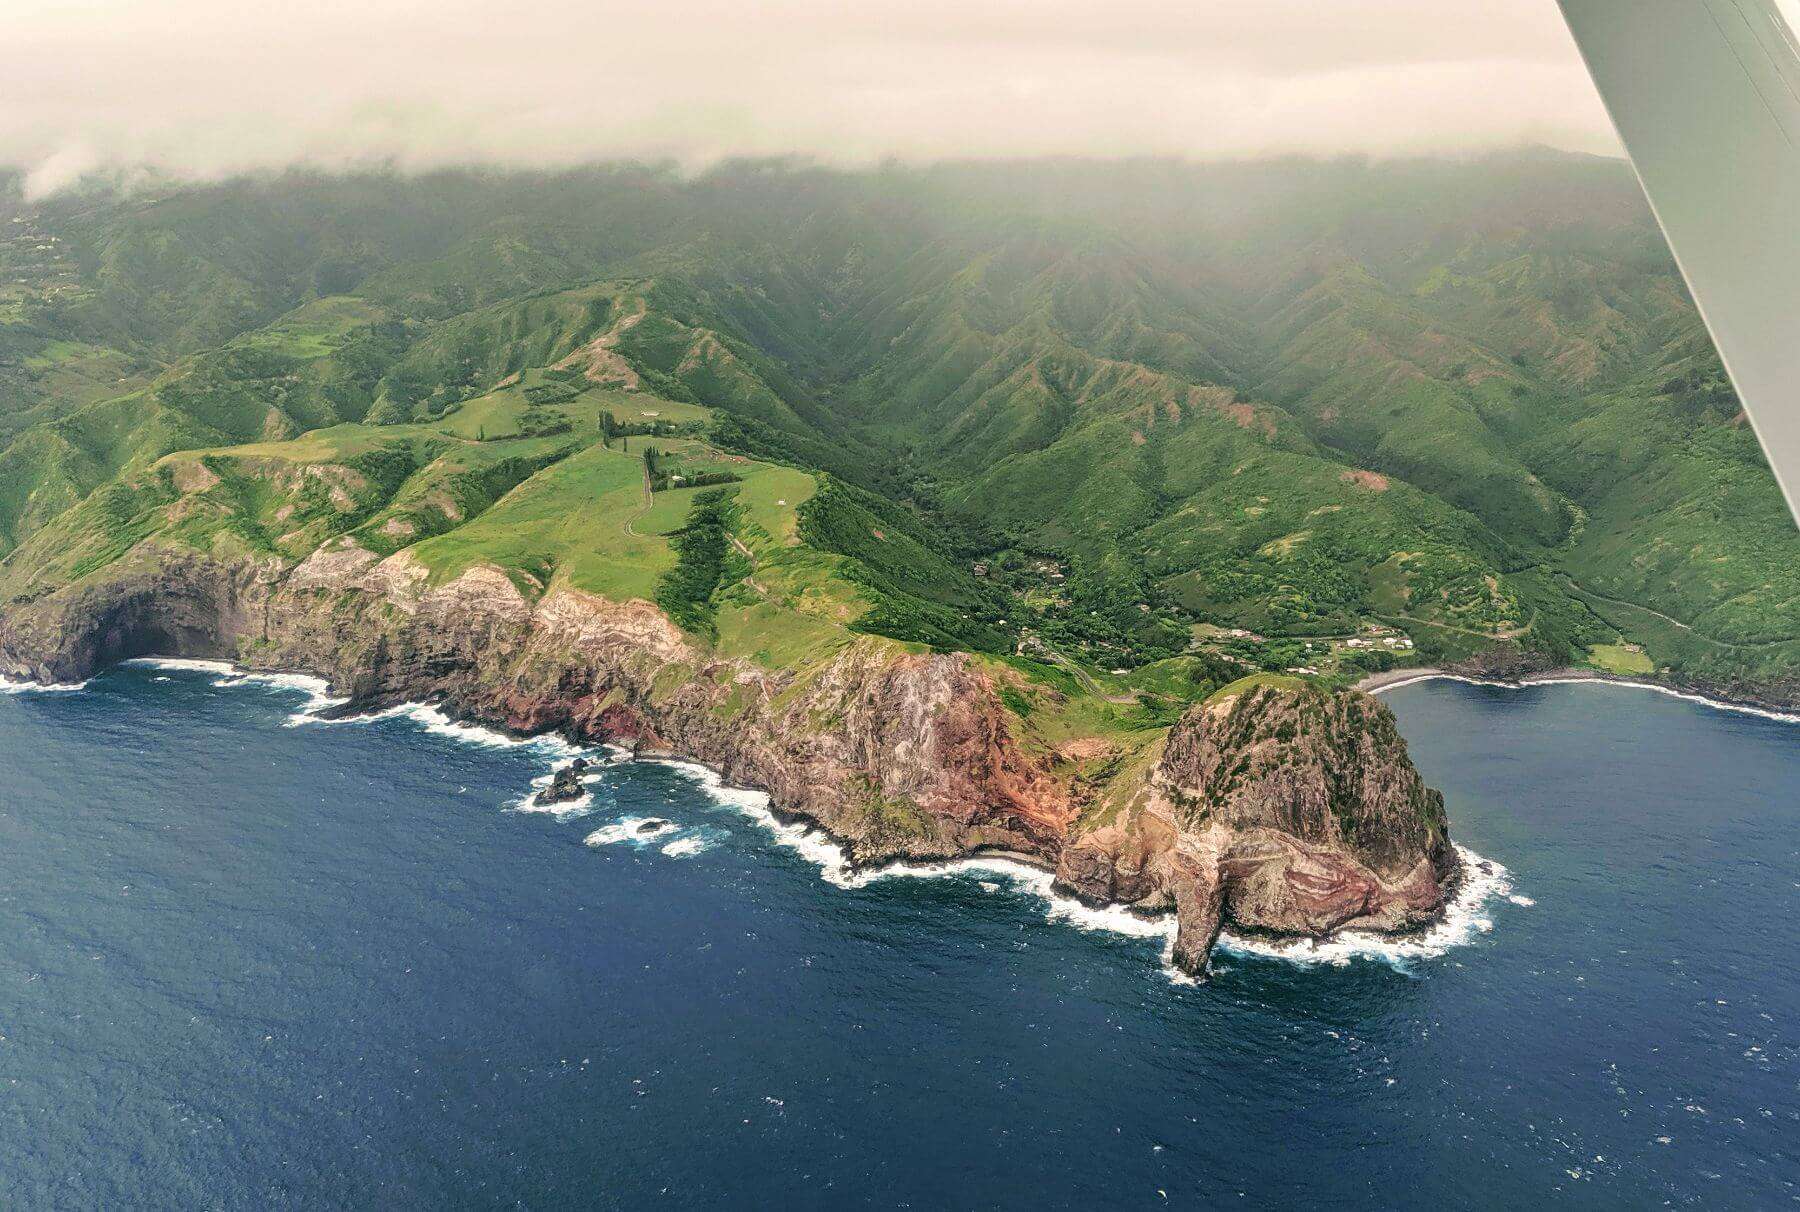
x=1289, y=811
x=898, y=754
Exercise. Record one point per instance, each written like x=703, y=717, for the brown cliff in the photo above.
x=1293, y=811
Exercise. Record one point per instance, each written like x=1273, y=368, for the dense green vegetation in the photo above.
x=919, y=588
x=1165, y=425
x=705, y=563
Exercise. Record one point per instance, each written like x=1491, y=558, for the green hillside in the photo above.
x=1135, y=428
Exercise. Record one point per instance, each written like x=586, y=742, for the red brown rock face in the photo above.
x=1290, y=811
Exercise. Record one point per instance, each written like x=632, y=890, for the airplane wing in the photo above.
x=1706, y=96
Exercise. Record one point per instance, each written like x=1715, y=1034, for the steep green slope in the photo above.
x=1101, y=415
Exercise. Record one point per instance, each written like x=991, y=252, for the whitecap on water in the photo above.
x=635, y=829
x=226, y=674
x=804, y=840
x=9, y=686
x=435, y=721
x=568, y=810
x=1463, y=920
x=319, y=699
x=317, y=690
x=181, y=664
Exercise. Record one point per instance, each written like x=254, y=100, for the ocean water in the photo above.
x=252, y=961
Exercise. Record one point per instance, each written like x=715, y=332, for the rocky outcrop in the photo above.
x=565, y=785
x=1502, y=663
x=1292, y=811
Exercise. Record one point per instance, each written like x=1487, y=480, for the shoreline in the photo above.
x=1480, y=880
x=1380, y=683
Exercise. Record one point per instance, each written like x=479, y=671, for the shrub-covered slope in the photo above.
x=1077, y=416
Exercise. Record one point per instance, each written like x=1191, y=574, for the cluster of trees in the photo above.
x=611, y=427
x=664, y=475
x=705, y=563
x=551, y=393
x=541, y=423
x=914, y=573
x=1702, y=391
x=1105, y=611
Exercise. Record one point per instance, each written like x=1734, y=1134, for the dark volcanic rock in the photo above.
x=566, y=787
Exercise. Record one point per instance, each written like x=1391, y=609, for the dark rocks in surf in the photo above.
x=565, y=787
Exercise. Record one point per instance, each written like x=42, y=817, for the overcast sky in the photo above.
x=207, y=87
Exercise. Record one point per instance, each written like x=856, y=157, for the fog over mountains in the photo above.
x=205, y=88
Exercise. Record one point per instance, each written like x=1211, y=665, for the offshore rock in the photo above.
x=565, y=785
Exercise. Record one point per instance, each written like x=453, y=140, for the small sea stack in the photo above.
x=566, y=786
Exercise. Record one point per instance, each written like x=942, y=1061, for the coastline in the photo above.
x=1380, y=683
x=1480, y=881
x=1460, y=921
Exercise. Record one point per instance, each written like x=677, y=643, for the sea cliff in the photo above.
x=1286, y=809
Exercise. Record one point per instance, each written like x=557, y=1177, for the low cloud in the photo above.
x=206, y=88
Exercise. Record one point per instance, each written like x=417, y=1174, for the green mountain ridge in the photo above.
x=1151, y=403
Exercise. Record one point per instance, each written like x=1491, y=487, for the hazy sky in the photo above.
x=214, y=86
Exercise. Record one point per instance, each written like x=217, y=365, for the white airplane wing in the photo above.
x=1706, y=96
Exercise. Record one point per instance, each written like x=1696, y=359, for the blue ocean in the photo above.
x=253, y=960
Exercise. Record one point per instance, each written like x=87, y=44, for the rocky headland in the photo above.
x=1291, y=810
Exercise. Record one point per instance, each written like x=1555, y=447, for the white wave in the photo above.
x=9, y=686
x=317, y=689
x=435, y=721
x=803, y=839
x=634, y=829
x=182, y=664
x=1784, y=717
x=1035, y=882
x=568, y=810
x=431, y=718
x=835, y=867
x=1464, y=921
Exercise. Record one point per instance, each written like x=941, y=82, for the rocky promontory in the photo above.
x=1287, y=809
x=1293, y=811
